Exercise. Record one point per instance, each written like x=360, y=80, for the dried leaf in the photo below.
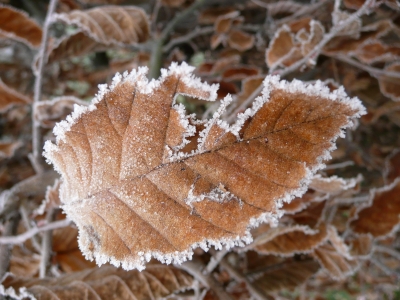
x=110, y=25
x=17, y=25
x=333, y=185
x=240, y=40
x=287, y=275
x=7, y=149
x=209, y=16
x=361, y=245
x=380, y=216
x=287, y=241
x=352, y=29
x=66, y=251
x=47, y=113
x=392, y=166
x=10, y=97
x=337, y=265
x=390, y=85
x=124, y=160
x=374, y=51
x=106, y=282
x=173, y=3
x=76, y=44
x=51, y=200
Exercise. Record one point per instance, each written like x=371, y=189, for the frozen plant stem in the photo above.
x=317, y=49
x=156, y=54
x=47, y=244
x=19, y=239
x=37, y=139
x=5, y=249
x=241, y=278
x=195, y=269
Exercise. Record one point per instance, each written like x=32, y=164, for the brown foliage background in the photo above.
x=340, y=238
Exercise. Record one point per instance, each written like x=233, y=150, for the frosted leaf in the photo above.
x=142, y=180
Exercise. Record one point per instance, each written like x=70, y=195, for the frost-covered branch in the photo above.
x=156, y=54
x=241, y=278
x=371, y=70
x=19, y=239
x=187, y=37
x=37, y=140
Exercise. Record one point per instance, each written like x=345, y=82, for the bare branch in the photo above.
x=37, y=140
x=5, y=250
x=241, y=278
x=195, y=269
x=47, y=244
x=187, y=37
x=19, y=239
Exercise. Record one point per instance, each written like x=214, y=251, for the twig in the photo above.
x=373, y=71
x=327, y=37
x=5, y=250
x=194, y=268
x=25, y=218
x=36, y=130
x=344, y=164
x=47, y=244
x=187, y=37
x=215, y=260
x=19, y=239
x=156, y=54
x=242, y=278
x=387, y=250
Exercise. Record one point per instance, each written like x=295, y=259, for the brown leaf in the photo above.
x=337, y=265
x=210, y=15
x=110, y=25
x=240, y=40
x=287, y=275
x=380, y=216
x=389, y=85
x=106, y=282
x=10, y=97
x=361, y=245
x=133, y=190
x=333, y=185
x=7, y=149
x=392, y=166
x=17, y=25
x=287, y=241
x=173, y=3
x=47, y=113
x=375, y=51
x=51, y=200
x=66, y=251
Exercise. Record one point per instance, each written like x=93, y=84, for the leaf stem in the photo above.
x=37, y=139
x=156, y=54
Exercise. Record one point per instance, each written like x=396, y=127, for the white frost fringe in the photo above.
x=138, y=78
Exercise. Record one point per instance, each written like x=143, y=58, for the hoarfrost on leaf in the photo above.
x=141, y=179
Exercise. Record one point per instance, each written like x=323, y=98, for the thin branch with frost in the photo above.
x=27, y=223
x=195, y=269
x=19, y=239
x=5, y=250
x=216, y=258
x=156, y=54
x=188, y=37
x=328, y=37
x=242, y=278
x=37, y=139
x=317, y=49
x=386, y=250
x=371, y=70
x=340, y=165
x=47, y=244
